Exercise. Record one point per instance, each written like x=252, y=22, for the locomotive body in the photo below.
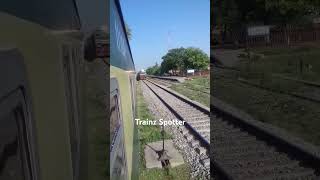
x=46, y=126
x=124, y=140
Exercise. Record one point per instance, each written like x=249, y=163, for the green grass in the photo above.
x=300, y=62
x=197, y=89
x=150, y=134
x=299, y=117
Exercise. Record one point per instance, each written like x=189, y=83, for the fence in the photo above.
x=199, y=73
x=279, y=36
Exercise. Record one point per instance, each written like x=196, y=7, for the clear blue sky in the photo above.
x=161, y=24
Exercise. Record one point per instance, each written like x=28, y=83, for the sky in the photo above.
x=159, y=25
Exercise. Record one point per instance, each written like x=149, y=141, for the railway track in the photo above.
x=241, y=148
x=166, y=83
x=311, y=89
x=244, y=149
x=197, y=119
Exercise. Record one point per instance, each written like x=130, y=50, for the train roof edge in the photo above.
x=118, y=6
x=53, y=19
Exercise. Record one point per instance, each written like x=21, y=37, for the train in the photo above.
x=141, y=75
x=124, y=152
x=54, y=102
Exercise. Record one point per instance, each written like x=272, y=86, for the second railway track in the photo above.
x=243, y=150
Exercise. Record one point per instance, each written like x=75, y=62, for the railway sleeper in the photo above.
x=205, y=162
x=184, y=130
x=261, y=172
x=261, y=163
x=201, y=125
x=227, y=131
x=239, y=142
x=203, y=131
x=251, y=156
x=194, y=143
x=225, y=137
x=188, y=137
x=305, y=175
x=248, y=148
x=189, y=115
x=198, y=120
x=201, y=150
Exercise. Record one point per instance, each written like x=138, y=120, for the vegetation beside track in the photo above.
x=149, y=134
x=197, y=89
x=299, y=62
x=299, y=117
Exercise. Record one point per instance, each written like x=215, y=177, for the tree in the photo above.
x=231, y=15
x=153, y=70
x=172, y=60
x=288, y=12
x=225, y=15
x=128, y=31
x=184, y=58
x=195, y=59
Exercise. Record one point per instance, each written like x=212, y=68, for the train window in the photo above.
x=10, y=159
x=70, y=73
x=114, y=117
x=18, y=157
x=15, y=160
x=118, y=166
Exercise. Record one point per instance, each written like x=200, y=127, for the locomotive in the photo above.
x=53, y=92
x=124, y=151
x=141, y=75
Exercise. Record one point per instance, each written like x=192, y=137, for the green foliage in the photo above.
x=183, y=59
x=287, y=11
x=128, y=31
x=195, y=59
x=153, y=70
x=197, y=89
x=230, y=15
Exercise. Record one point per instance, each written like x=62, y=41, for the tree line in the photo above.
x=228, y=15
x=179, y=60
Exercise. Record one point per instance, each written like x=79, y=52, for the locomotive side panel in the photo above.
x=123, y=71
x=43, y=62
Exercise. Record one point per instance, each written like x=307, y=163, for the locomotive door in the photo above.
x=17, y=136
x=118, y=162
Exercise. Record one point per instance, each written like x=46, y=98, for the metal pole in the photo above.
x=163, y=137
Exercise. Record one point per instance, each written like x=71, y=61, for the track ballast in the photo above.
x=241, y=149
x=197, y=119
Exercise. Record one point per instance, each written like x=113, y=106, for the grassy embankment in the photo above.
x=197, y=89
x=299, y=62
x=149, y=134
x=299, y=117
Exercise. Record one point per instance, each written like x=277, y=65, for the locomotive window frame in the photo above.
x=115, y=95
x=118, y=159
x=15, y=108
